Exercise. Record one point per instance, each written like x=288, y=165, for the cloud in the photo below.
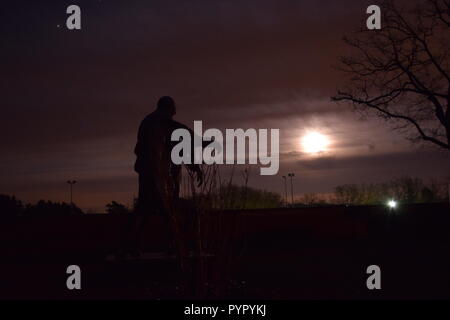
x=413, y=163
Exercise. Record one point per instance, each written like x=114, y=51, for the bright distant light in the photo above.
x=314, y=142
x=392, y=204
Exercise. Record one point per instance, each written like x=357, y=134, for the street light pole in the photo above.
x=285, y=192
x=291, y=175
x=71, y=183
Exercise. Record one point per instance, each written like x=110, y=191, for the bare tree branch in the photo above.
x=401, y=72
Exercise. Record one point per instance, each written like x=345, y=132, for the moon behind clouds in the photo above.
x=314, y=142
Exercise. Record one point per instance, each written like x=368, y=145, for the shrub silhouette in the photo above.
x=116, y=208
x=10, y=206
x=52, y=209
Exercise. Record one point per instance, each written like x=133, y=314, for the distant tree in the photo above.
x=260, y=199
x=116, y=208
x=401, y=73
x=51, y=209
x=310, y=199
x=407, y=189
x=347, y=193
x=231, y=196
x=435, y=191
x=10, y=206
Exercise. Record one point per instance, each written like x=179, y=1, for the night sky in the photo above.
x=72, y=100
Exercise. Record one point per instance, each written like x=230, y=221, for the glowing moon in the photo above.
x=314, y=142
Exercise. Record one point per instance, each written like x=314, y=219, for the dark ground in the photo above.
x=304, y=253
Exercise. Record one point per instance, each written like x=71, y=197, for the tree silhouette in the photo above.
x=51, y=209
x=116, y=208
x=401, y=73
x=10, y=206
x=404, y=189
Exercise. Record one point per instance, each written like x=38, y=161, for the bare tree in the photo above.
x=401, y=73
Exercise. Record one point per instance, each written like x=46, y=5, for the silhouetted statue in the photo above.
x=159, y=177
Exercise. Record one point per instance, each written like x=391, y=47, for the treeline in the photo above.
x=228, y=196
x=403, y=189
x=244, y=197
x=12, y=207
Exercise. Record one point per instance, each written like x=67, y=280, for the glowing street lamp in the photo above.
x=392, y=204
